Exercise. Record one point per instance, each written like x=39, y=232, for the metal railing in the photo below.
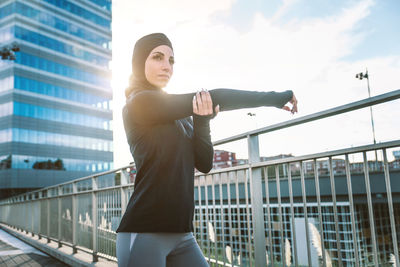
x=311, y=210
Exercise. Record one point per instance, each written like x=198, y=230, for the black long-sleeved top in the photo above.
x=166, y=146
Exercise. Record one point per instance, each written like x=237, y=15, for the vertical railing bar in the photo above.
x=107, y=215
x=207, y=224
x=32, y=216
x=278, y=192
x=303, y=191
x=353, y=223
x=48, y=219
x=214, y=216
x=333, y=191
x=73, y=217
x=222, y=215
x=200, y=212
x=59, y=215
x=246, y=191
x=238, y=215
x=94, y=219
x=111, y=214
x=124, y=191
x=196, y=219
x=292, y=215
x=257, y=248
x=266, y=185
x=317, y=191
x=41, y=201
x=391, y=211
x=370, y=208
x=228, y=185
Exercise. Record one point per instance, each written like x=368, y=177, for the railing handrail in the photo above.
x=386, y=97
x=326, y=154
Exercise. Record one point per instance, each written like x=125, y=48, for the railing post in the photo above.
x=48, y=217
x=32, y=214
x=124, y=181
x=94, y=219
x=40, y=216
x=74, y=217
x=59, y=215
x=257, y=202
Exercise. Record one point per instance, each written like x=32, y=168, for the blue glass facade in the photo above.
x=55, y=97
x=105, y=4
x=51, y=114
x=56, y=45
x=27, y=162
x=61, y=69
x=56, y=139
x=81, y=12
x=47, y=19
x=43, y=88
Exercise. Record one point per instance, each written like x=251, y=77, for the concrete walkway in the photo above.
x=14, y=252
x=37, y=248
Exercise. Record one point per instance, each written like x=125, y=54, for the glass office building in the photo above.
x=55, y=96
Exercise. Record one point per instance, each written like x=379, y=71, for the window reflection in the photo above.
x=6, y=109
x=52, y=21
x=53, y=67
x=28, y=110
x=106, y=4
x=47, y=138
x=59, y=46
x=33, y=162
x=79, y=11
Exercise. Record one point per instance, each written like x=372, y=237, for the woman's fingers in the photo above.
x=202, y=103
x=199, y=103
x=292, y=101
x=209, y=103
x=194, y=103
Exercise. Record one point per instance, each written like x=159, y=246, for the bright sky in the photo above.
x=314, y=48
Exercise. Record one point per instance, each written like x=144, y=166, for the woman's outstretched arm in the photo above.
x=151, y=106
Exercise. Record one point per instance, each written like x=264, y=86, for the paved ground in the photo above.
x=14, y=252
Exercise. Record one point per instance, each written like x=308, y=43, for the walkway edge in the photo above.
x=80, y=259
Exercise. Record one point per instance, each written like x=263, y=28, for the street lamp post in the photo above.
x=361, y=76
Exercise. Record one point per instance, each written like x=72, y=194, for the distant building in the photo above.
x=396, y=154
x=224, y=159
x=55, y=112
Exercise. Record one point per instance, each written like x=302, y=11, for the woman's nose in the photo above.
x=166, y=66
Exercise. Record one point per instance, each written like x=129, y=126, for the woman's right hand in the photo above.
x=202, y=104
x=292, y=101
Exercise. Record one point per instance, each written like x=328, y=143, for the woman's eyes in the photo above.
x=157, y=57
x=161, y=57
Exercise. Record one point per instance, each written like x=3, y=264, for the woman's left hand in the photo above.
x=292, y=101
x=202, y=104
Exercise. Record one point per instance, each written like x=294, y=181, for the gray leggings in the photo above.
x=159, y=250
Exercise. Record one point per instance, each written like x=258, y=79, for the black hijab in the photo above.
x=142, y=49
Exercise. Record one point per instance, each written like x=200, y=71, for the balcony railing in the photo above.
x=320, y=209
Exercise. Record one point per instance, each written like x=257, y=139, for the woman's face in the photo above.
x=158, y=67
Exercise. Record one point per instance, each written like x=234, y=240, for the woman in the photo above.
x=156, y=229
